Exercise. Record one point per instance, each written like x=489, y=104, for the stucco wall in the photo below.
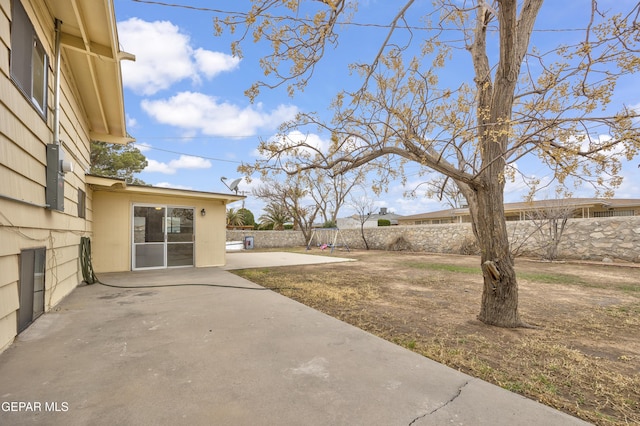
x=111, y=245
x=616, y=238
x=269, y=239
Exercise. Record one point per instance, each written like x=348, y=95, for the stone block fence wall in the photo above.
x=615, y=238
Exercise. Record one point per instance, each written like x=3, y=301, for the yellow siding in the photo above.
x=111, y=247
x=7, y=330
x=17, y=159
x=9, y=268
x=4, y=37
x=17, y=186
x=66, y=278
x=211, y=235
x=8, y=286
x=24, y=135
x=5, y=7
x=8, y=299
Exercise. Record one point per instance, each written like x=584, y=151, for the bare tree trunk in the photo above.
x=500, y=290
x=557, y=224
x=486, y=194
x=366, y=244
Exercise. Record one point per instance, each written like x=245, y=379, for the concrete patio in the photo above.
x=228, y=352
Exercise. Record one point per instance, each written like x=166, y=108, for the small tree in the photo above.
x=118, y=161
x=363, y=207
x=248, y=218
x=550, y=222
x=275, y=217
x=330, y=191
x=234, y=217
x=292, y=197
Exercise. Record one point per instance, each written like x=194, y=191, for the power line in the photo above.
x=238, y=137
x=190, y=155
x=353, y=24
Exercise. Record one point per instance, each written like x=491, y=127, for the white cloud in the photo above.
x=164, y=56
x=131, y=122
x=184, y=162
x=172, y=186
x=407, y=207
x=190, y=162
x=154, y=166
x=630, y=187
x=312, y=140
x=206, y=114
x=213, y=63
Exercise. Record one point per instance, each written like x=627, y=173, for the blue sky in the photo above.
x=185, y=103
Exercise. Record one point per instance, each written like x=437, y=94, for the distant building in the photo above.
x=582, y=208
x=371, y=222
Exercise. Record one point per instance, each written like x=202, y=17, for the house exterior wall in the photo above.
x=24, y=133
x=111, y=245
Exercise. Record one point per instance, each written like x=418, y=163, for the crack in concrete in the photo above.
x=453, y=398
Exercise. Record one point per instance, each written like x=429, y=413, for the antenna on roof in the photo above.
x=233, y=186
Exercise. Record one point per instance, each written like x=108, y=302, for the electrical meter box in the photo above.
x=55, y=178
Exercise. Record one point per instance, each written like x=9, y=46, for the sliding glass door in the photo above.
x=179, y=236
x=162, y=236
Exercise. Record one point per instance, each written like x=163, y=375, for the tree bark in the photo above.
x=366, y=244
x=485, y=194
x=499, y=305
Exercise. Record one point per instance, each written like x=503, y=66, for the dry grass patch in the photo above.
x=584, y=359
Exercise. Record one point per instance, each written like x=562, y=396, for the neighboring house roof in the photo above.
x=353, y=221
x=533, y=205
x=92, y=55
x=388, y=216
x=119, y=185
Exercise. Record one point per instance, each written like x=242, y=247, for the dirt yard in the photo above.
x=583, y=357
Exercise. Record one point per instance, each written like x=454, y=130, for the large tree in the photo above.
x=117, y=160
x=525, y=95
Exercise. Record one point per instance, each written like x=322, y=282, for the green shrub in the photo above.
x=384, y=222
x=248, y=217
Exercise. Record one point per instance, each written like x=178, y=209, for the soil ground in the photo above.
x=583, y=357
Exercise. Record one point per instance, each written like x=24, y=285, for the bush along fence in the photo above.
x=602, y=239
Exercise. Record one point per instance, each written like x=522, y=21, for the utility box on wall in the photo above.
x=55, y=178
x=248, y=243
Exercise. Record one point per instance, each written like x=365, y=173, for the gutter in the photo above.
x=56, y=86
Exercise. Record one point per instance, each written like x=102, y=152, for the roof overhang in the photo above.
x=91, y=55
x=99, y=183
